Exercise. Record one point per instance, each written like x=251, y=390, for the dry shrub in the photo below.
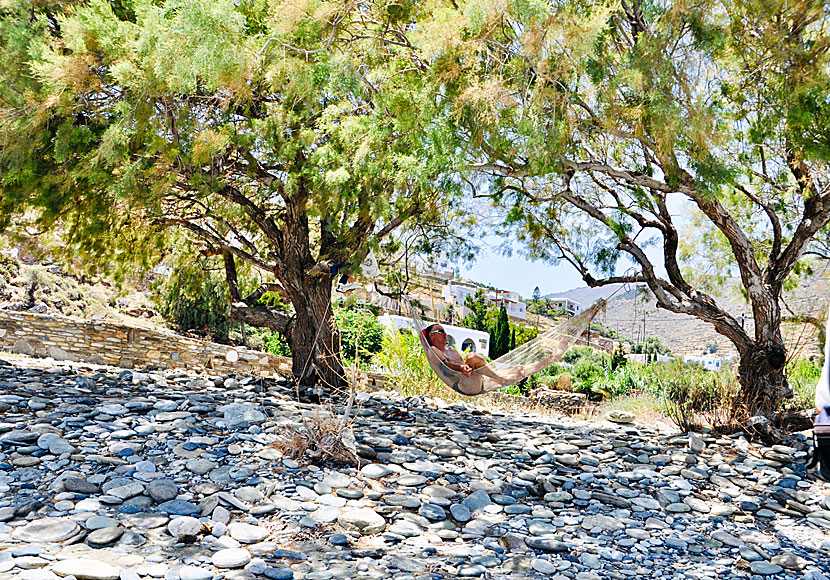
x=320, y=440
x=565, y=382
x=695, y=398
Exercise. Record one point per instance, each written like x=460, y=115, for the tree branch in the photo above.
x=220, y=243
x=773, y=218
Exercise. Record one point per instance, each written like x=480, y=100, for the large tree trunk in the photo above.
x=762, y=379
x=314, y=339
x=761, y=366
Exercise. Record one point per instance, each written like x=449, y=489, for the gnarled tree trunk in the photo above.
x=763, y=382
x=314, y=338
x=761, y=365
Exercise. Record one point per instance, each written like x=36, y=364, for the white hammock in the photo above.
x=521, y=362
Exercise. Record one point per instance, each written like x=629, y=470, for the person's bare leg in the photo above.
x=476, y=362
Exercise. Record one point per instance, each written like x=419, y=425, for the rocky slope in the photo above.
x=628, y=314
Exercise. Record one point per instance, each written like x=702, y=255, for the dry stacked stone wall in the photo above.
x=110, y=343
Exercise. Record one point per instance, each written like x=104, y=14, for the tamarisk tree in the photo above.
x=291, y=136
x=699, y=129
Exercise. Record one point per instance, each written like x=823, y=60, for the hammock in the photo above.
x=521, y=362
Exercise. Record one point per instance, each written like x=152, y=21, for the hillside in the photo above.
x=685, y=335
x=45, y=288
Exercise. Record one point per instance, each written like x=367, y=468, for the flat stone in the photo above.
x=375, y=471
x=123, y=492
x=147, y=520
x=86, y=569
x=547, y=544
x=184, y=527
x=620, y=416
x=179, y=507
x=241, y=415
x=765, y=568
x=162, y=490
x=60, y=446
x=104, y=536
x=727, y=539
x=200, y=466
x=432, y=512
x=543, y=566
x=46, y=530
x=247, y=533
x=80, y=485
x=606, y=523
x=194, y=573
x=460, y=513
x=37, y=574
x=100, y=522
x=231, y=558
x=477, y=500
x=789, y=561
x=407, y=564
x=364, y=520
x=279, y=573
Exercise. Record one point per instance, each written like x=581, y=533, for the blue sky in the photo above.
x=520, y=274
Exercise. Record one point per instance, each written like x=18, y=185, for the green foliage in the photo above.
x=712, y=347
x=275, y=343
x=803, y=375
x=546, y=307
x=479, y=306
x=292, y=135
x=194, y=298
x=522, y=333
x=598, y=149
x=404, y=362
x=500, y=336
x=588, y=373
x=618, y=358
x=264, y=339
x=9, y=269
x=652, y=345
x=591, y=368
x=361, y=334
x=577, y=353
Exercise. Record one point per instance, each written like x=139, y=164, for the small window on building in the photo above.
x=450, y=340
x=468, y=344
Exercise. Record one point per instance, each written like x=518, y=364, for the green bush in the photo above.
x=803, y=375
x=361, y=334
x=275, y=343
x=405, y=363
x=194, y=299
x=589, y=375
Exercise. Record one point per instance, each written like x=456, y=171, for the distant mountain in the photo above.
x=686, y=335
x=587, y=296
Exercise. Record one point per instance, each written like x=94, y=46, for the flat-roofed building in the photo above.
x=463, y=339
x=456, y=293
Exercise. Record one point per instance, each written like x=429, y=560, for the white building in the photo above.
x=434, y=266
x=571, y=307
x=460, y=338
x=456, y=293
x=710, y=363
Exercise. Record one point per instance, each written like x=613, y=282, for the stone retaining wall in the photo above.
x=110, y=343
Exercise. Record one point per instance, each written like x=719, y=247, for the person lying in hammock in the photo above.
x=437, y=339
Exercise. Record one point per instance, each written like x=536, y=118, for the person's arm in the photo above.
x=459, y=366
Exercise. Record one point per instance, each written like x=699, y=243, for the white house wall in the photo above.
x=456, y=335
